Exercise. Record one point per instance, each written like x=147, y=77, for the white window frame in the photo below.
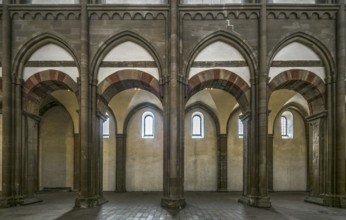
x=287, y=131
x=240, y=128
x=145, y=133
x=105, y=127
x=199, y=134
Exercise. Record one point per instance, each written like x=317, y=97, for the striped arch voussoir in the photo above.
x=224, y=80
x=308, y=84
x=39, y=85
x=127, y=79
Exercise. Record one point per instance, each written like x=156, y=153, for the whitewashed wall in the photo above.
x=235, y=156
x=297, y=52
x=144, y=156
x=200, y=158
x=290, y=158
x=56, y=149
x=221, y=51
x=109, y=158
x=51, y=52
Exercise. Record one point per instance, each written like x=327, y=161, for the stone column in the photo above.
x=174, y=84
x=270, y=143
x=256, y=153
x=340, y=198
x=8, y=196
x=222, y=163
x=89, y=191
x=120, y=185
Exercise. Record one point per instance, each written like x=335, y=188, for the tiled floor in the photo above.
x=200, y=205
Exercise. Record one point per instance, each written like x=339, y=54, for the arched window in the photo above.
x=286, y=125
x=105, y=130
x=148, y=125
x=240, y=128
x=197, y=125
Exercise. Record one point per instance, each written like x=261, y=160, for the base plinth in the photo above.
x=170, y=203
x=327, y=200
x=256, y=201
x=89, y=202
x=17, y=201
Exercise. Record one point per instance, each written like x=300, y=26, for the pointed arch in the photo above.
x=311, y=42
x=38, y=41
x=117, y=39
x=232, y=39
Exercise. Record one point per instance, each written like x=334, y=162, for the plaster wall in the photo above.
x=235, y=155
x=144, y=156
x=56, y=149
x=200, y=158
x=290, y=157
x=109, y=158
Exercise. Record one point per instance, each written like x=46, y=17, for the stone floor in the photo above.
x=200, y=205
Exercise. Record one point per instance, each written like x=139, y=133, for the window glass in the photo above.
x=48, y=2
x=197, y=125
x=134, y=1
x=240, y=128
x=286, y=127
x=148, y=125
x=105, y=131
x=212, y=2
x=292, y=1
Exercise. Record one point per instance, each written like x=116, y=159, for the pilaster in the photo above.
x=8, y=194
x=120, y=185
x=222, y=163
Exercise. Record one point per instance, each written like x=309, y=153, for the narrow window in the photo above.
x=283, y=126
x=287, y=125
x=105, y=131
x=197, y=125
x=148, y=125
x=240, y=128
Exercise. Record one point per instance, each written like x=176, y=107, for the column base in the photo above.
x=89, y=202
x=327, y=200
x=170, y=203
x=17, y=201
x=256, y=201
